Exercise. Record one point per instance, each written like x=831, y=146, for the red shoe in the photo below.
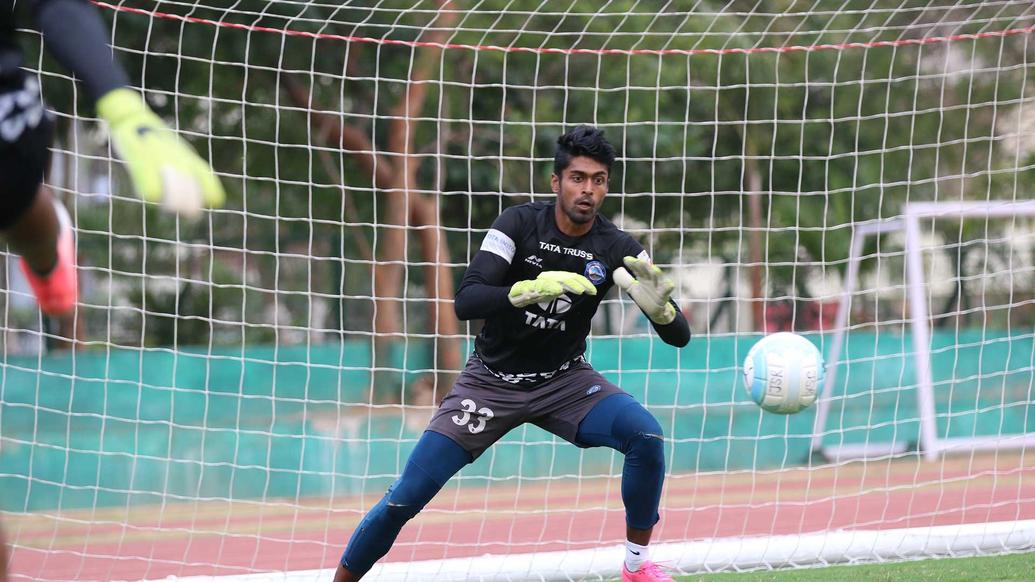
x=648, y=572
x=58, y=291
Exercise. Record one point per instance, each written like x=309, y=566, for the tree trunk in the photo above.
x=439, y=282
x=395, y=180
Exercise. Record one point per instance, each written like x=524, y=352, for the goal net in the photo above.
x=234, y=393
x=985, y=245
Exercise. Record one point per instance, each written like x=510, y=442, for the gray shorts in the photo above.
x=481, y=408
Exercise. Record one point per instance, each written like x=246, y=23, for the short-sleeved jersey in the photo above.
x=540, y=338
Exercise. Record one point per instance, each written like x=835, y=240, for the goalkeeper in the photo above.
x=162, y=167
x=537, y=281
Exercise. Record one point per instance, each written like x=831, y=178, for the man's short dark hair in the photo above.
x=584, y=140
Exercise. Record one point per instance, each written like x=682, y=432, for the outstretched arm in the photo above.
x=78, y=38
x=162, y=167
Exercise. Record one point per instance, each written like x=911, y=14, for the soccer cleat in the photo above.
x=57, y=291
x=648, y=572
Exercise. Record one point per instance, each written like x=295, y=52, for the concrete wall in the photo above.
x=138, y=426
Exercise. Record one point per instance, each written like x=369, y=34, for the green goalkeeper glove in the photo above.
x=549, y=285
x=162, y=167
x=648, y=287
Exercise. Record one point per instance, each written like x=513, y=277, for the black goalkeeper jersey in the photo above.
x=540, y=338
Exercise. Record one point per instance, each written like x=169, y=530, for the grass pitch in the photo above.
x=1009, y=567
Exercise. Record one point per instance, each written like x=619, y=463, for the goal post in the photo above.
x=930, y=442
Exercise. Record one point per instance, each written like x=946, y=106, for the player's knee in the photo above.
x=647, y=449
x=644, y=440
x=401, y=512
x=394, y=510
x=408, y=496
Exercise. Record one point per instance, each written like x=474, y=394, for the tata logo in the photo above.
x=549, y=319
x=557, y=306
x=596, y=272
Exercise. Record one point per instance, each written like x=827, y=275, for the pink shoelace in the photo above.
x=655, y=570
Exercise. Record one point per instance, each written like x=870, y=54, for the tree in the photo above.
x=812, y=141
x=395, y=181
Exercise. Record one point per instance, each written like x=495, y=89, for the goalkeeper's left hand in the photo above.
x=162, y=167
x=648, y=287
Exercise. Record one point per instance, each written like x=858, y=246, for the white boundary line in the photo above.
x=813, y=549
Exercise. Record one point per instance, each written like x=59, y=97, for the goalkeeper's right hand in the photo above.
x=162, y=167
x=549, y=285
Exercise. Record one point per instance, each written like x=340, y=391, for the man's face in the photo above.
x=581, y=188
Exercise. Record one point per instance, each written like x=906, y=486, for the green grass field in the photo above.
x=1011, y=567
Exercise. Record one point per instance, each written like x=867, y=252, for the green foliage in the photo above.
x=836, y=136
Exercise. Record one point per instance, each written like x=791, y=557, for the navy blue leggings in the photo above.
x=618, y=421
x=623, y=424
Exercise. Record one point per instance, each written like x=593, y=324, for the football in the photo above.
x=783, y=372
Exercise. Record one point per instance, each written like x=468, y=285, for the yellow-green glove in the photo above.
x=162, y=167
x=648, y=287
x=549, y=285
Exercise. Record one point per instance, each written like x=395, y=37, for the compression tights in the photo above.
x=618, y=421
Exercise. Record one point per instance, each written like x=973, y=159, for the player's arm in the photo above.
x=483, y=291
x=162, y=167
x=75, y=34
x=651, y=289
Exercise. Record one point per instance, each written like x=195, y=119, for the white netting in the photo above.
x=242, y=389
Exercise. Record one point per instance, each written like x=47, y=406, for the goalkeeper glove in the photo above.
x=162, y=167
x=549, y=285
x=648, y=287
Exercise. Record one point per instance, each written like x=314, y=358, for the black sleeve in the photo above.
x=676, y=332
x=482, y=291
x=74, y=32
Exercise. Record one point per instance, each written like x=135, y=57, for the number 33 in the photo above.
x=484, y=416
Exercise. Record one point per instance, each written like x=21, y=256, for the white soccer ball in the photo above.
x=783, y=372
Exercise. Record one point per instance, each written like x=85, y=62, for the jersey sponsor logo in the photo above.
x=596, y=272
x=556, y=306
x=550, y=318
x=498, y=243
x=593, y=389
x=545, y=246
